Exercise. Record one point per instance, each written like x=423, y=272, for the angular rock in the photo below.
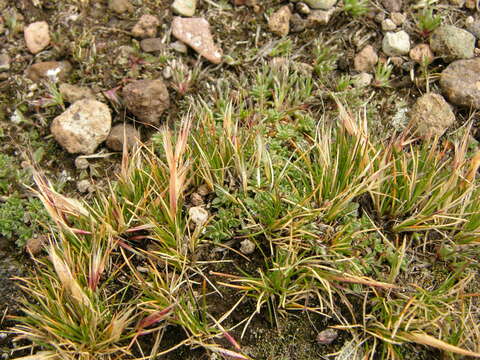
x=362, y=80
x=72, y=93
x=146, y=27
x=120, y=6
x=392, y=5
x=4, y=62
x=119, y=134
x=146, y=99
x=53, y=71
x=421, y=53
x=366, y=59
x=398, y=18
x=152, y=45
x=320, y=17
x=452, y=43
x=37, y=36
x=82, y=127
x=388, y=25
x=321, y=4
x=198, y=215
x=396, y=44
x=184, y=7
x=460, y=83
x=279, y=22
x=195, y=32
x=431, y=115
x=179, y=46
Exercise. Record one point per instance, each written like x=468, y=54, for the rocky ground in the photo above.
x=82, y=81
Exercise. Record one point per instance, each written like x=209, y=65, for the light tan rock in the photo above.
x=37, y=36
x=431, y=115
x=146, y=27
x=279, y=22
x=366, y=59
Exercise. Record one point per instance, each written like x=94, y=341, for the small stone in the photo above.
x=473, y=26
x=83, y=126
x=431, y=115
x=459, y=82
x=321, y=4
x=297, y=23
x=195, y=32
x=36, y=244
x=362, y=80
x=53, y=71
x=198, y=215
x=366, y=59
x=302, y=8
x=4, y=62
x=146, y=99
x=320, y=17
x=179, y=46
x=392, y=5
x=388, y=25
x=152, y=45
x=72, y=93
x=203, y=190
x=167, y=72
x=380, y=17
x=120, y=6
x=184, y=7
x=196, y=199
x=327, y=336
x=119, y=133
x=398, y=18
x=81, y=163
x=396, y=44
x=421, y=54
x=37, y=36
x=452, y=43
x=146, y=27
x=279, y=22
x=83, y=186
x=247, y=247
x=472, y=4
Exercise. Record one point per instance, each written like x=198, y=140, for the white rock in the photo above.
x=388, y=25
x=184, y=7
x=83, y=126
x=247, y=247
x=198, y=215
x=362, y=80
x=396, y=44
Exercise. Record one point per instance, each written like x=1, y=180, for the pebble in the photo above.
x=362, y=80
x=37, y=36
x=53, y=71
x=320, y=17
x=119, y=133
x=83, y=186
x=421, y=53
x=146, y=27
x=36, y=244
x=459, y=82
x=4, y=62
x=388, y=25
x=167, y=73
x=83, y=126
x=72, y=93
x=327, y=336
x=302, y=8
x=398, y=18
x=321, y=4
x=395, y=44
x=366, y=59
x=473, y=26
x=146, y=99
x=279, y=21
x=184, y=7
x=195, y=32
x=431, y=115
x=81, y=163
x=452, y=43
x=198, y=215
x=152, y=45
x=179, y=46
x=120, y=6
x=247, y=247
x=196, y=199
x=297, y=23
x=392, y=5
x=380, y=17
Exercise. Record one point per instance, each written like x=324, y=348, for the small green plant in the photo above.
x=326, y=57
x=427, y=21
x=356, y=7
x=383, y=71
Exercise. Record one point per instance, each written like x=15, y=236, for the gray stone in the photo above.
x=392, y=5
x=195, y=32
x=321, y=4
x=327, y=336
x=362, y=80
x=473, y=26
x=83, y=126
x=119, y=134
x=452, y=43
x=81, y=163
x=460, y=83
x=431, y=115
x=184, y=7
x=396, y=44
x=146, y=99
x=84, y=186
x=37, y=36
x=247, y=247
x=152, y=45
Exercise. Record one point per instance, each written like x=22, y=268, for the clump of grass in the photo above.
x=427, y=21
x=355, y=7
